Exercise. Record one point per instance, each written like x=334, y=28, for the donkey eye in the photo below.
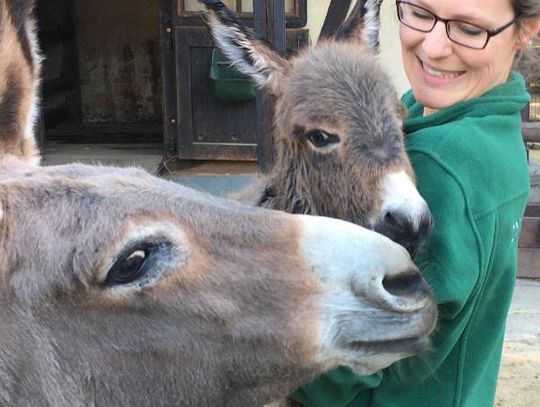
x=127, y=268
x=135, y=264
x=320, y=138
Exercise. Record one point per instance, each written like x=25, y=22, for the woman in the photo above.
x=464, y=139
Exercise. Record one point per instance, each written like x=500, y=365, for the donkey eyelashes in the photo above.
x=320, y=138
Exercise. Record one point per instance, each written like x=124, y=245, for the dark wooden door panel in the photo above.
x=213, y=120
x=208, y=128
x=199, y=126
x=337, y=11
x=529, y=263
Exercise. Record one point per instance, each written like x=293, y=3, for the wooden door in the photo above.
x=529, y=240
x=208, y=128
x=198, y=125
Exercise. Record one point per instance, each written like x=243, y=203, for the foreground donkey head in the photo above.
x=121, y=289
x=339, y=146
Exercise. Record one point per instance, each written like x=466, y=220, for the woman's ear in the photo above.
x=529, y=29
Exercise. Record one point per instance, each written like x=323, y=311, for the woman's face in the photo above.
x=441, y=72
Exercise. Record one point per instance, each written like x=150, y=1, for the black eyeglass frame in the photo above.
x=490, y=33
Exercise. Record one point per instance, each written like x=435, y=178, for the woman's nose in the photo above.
x=436, y=43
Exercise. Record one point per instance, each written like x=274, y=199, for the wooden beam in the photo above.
x=529, y=243
x=269, y=23
x=528, y=263
x=337, y=11
x=533, y=210
x=531, y=132
x=278, y=25
x=167, y=12
x=530, y=233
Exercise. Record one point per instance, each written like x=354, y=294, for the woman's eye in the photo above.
x=468, y=29
x=321, y=138
x=128, y=268
x=422, y=15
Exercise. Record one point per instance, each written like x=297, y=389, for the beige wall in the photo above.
x=390, y=50
x=247, y=5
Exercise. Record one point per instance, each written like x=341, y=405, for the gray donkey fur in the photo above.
x=121, y=289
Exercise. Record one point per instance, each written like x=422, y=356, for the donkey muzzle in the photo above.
x=406, y=230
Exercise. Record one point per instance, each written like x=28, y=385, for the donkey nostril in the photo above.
x=426, y=226
x=404, y=285
x=390, y=218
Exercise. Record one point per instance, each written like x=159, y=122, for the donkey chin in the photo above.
x=368, y=348
x=368, y=323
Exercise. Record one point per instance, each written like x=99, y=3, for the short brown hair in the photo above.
x=528, y=58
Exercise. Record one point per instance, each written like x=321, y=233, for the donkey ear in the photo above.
x=362, y=25
x=19, y=84
x=249, y=54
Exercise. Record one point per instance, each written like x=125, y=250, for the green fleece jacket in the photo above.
x=471, y=168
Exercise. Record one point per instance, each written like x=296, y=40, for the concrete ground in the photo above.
x=524, y=316
x=519, y=383
x=144, y=155
x=519, y=377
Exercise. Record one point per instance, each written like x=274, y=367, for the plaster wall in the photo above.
x=119, y=56
x=119, y=60
x=390, y=53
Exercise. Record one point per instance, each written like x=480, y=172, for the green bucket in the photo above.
x=230, y=84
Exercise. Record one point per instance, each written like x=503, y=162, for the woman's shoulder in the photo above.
x=485, y=156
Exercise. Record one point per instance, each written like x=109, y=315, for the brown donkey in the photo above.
x=337, y=126
x=121, y=289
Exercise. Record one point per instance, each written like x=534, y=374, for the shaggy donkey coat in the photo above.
x=337, y=127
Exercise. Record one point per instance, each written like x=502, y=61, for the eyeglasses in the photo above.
x=460, y=32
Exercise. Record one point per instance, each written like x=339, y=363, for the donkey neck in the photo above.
x=285, y=189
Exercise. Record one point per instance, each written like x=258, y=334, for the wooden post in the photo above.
x=337, y=11
x=269, y=22
x=168, y=73
x=529, y=243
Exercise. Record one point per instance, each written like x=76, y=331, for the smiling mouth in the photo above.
x=440, y=74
